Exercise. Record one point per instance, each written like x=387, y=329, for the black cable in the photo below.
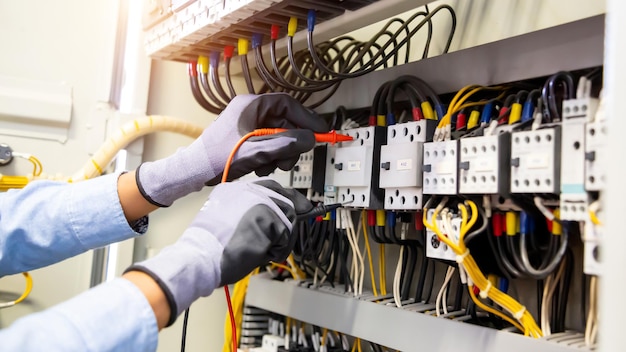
x=430, y=34
x=229, y=82
x=204, y=81
x=246, y=73
x=214, y=76
x=421, y=281
x=197, y=94
x=184, y=337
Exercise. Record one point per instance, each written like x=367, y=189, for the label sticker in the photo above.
x=354, y=165
x=404, y=164
x=305, y=168
x=538, y=161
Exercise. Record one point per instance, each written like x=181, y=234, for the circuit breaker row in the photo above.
x=395, y=167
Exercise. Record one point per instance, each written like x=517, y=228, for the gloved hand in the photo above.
x=241, y=226
x=163, y=181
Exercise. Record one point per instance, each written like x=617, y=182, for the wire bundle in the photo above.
x=321, y=66
x=523, y=319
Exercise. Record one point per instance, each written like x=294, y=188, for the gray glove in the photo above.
x=163, y=181
x=241, y=226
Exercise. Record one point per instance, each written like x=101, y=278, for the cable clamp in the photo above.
x=519, y=314
x=485, y=293
x=461, y=257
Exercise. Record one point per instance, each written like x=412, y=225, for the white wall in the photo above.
x=67, y=41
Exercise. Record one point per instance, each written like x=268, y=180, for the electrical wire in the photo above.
x=22, y=297
x=519, y=312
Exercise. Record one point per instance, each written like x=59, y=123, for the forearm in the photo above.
x=111, y=317
x=47, y=222
x=153, y=294
x=134, y=205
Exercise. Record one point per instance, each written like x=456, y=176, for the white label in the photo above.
x=354, y=165
x=305, y=168
x=444, y=168
x=405, y=164
x=537, y=161
x=483, y=165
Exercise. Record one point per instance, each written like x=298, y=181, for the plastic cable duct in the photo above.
x=128, y=133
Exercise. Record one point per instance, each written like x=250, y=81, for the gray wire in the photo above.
x=542, y=273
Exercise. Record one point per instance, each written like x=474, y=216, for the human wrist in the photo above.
x=153, y=294
x=163, y=181
x=185, y=271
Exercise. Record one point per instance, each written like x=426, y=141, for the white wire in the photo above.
x=446, y=281
x=396, y=279
x=542, y=208
x=551, y=284
x=357, y=236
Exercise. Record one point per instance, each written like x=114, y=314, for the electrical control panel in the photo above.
x=330, y=190
x=595, y=156
x=437, y=249
x=535, y=161
x=484, y=164
x=441, y=161
x=401, y=164
x=282, y=177
x=354, y=173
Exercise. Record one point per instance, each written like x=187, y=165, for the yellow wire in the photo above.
x=25, y=293
x=369, y=252
x=486, y=308
x=287, y=325
x=285, y=267
x=594, y=218
x=38, y=167
x=359, y=345
x=293, y=264
x=478, y=278
x=324, y=334
x=382, y=269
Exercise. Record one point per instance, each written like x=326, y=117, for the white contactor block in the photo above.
x=592, y=264
x=535, y=161
x=330, y=190
x=401, y=165
x=441, y=168
x=437, y=249
x=356, y=168
x=576, y=113
x=303, y=171
x=595, y=156
x=484, y=165
x=282, y=177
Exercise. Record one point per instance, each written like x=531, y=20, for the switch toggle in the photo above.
x=339, y=166
x=386, y=165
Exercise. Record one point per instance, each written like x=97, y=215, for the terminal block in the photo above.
x=401, y=164
x=434, y=247
x=595, y=156
x=441, y=168
x=484, y=165
x=302, y=172
x=535, y=161
x=354, y=173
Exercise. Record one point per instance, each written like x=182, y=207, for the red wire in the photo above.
x=232, y=317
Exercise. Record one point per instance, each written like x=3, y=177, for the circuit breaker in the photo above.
x=484, y=164
x=576, y=113
x=441, y=161
x=592, y=245
x=302, y=174
x=401, y=164
x=354, y=173
x=595, y=156
x=536, y=161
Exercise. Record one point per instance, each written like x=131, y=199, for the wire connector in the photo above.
x=229, y=50
x=214, y=58
x=242, y=46
x=310, y=20
x=274, y=31
x=203, y=64
x=292, y=27
x=257, y=40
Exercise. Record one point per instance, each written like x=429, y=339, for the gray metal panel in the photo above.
x=571, y=46
x=385, y=325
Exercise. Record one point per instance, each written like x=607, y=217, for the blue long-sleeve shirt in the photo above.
x=47, y=222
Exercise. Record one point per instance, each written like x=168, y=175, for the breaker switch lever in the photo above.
x=515, y=162
x=386, y=165
x=339, y=166
x=591, y=156
x=465, y=165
